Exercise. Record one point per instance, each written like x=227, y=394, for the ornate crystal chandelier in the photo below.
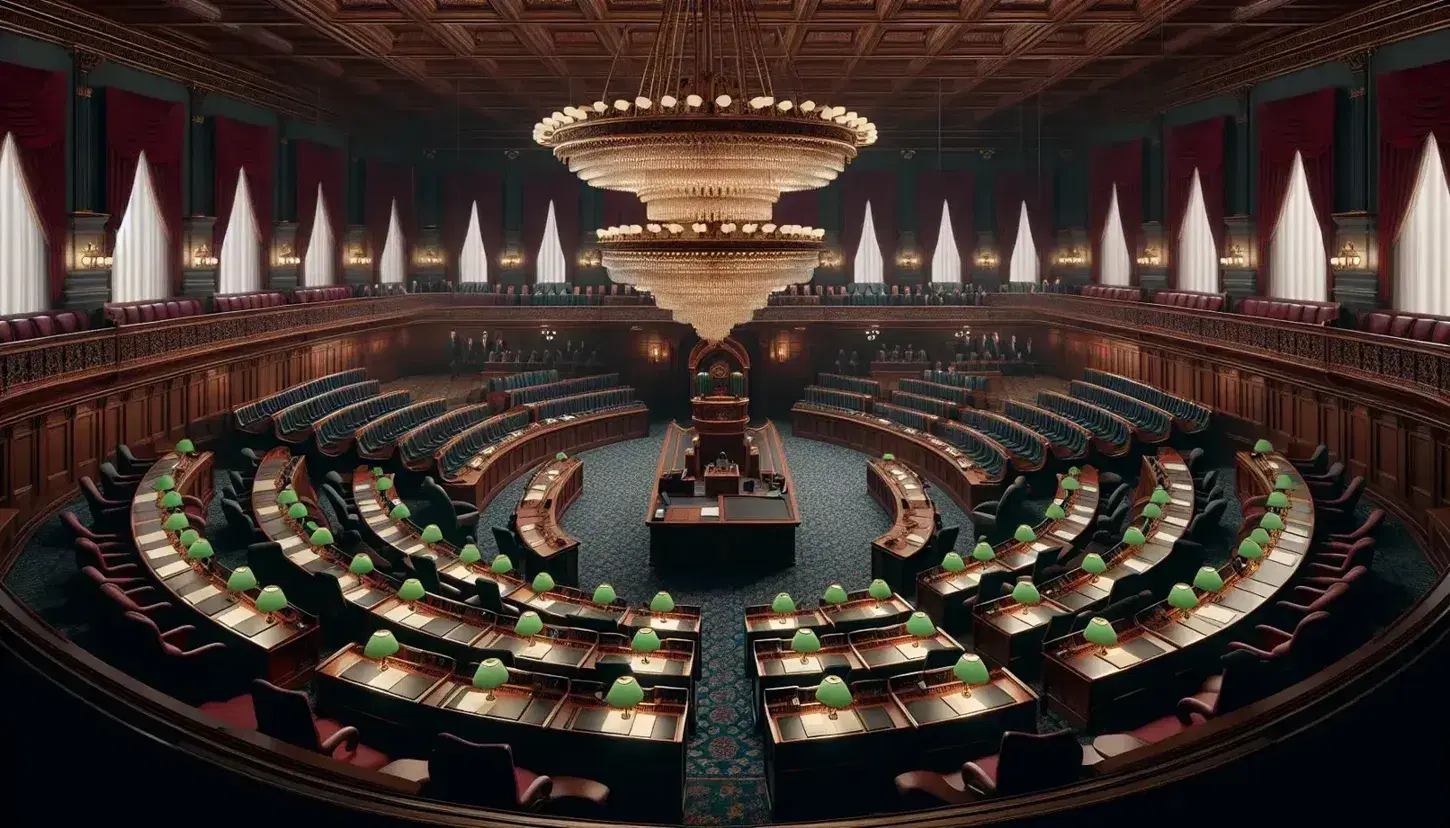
x=709, y=150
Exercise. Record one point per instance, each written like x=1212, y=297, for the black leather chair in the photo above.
x=335, y=478
x=946, y=541
x=507, y=545
x=456, y=518
x=118, y=486
x=1315, y=463
x=425, y=569
x=131, y=463
x=240, y=525
x=1207, y=522
x=341, y=509
x=998, y=518
x=1193, y=461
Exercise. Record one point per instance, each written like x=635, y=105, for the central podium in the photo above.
x=723, y=495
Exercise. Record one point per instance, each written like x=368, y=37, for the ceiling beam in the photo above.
x=1021, y=39
x=539, y=44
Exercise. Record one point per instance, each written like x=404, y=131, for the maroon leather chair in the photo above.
x=111, y=515
x=98, y=579
x=1337, y=559
x=112, y=560
x=129, y=600
x=1355, y=576
x=1434, y=329
x=1305, y=646
x=1245, y=679
x=36, y=325
x=1364, y=530
x=1114, y=292
x=1289, y=310
x=1191, y=300
x=1340, y=508
x=1024, y=763
x=168, y=659
x=485, y=775
x=287, y=715
x=1305, y=600
x=80, y=530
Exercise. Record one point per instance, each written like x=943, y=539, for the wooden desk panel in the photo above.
x=891, y=651
x=546, y=546
x=908, y=547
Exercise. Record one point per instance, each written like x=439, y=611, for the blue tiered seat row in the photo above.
x=338, y=429
x=1106, y=428
x=909, y=417
x=562, y=388
x=1024, y=444
x=255, y=417
x=462, y=448
x=300, y=418
x=926, y=405
x=1151, y=422
x=984, y=452
x=1070, y=441
x=971, y=382
x=1191, y=416
x=955, y=393
x=834, y=398
x=841, y=382
x=419, y=444
x=589, y=403
x=379, y=436
x=523, y=379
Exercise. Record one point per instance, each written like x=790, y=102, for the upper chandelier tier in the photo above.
x=705, y=138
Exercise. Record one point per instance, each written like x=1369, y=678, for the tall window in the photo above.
x=869, y=265
x=394, y=264
x=141, y=268
x=241, y=258
x=23, y=262
x=551, y=266
x=1297, y=263
x=1422, y=252
x=946, y=261
x=319, y=268
x=473, y=260
x=1117, y=268
x=1197, y=254
x=1024, y=252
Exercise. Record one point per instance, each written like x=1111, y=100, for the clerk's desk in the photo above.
x=554, y=725
x=1168, y=651
x=909, y=545
x=922, y=719
x=545, y=545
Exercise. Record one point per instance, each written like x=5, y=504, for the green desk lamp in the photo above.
x=624, y=695
x=490, y=675
x=834, y=694
x=805, y=642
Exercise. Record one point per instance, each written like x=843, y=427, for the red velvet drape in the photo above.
x=1413, y=104
x=388, y=183
x=622, y=209
x=136, y=124
x=562, y=189
x=319, y=164
x=953, y=188
x=878, y=188
x=461, y=190
x=1197, y=146
x=243, y=146
x=1121, y=166
x=1012, y=189
x=802, y=208
x=33, y=108
x=1305, y=125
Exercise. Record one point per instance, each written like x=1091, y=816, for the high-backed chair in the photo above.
x=340, y=507
x=1192, y=460
x=112, y=560
x=118, y=486
x=110, y=515
x=1354, y=577
x=425, y=569
x=131, y=463
x=485, y=775
x=1304, y=649
x=287, y=715
x=98, y=579
x=1364, y=530
x=1206, y=522
x=1337, y=558
x=335, y=479
x=1333, y=474
x=504, y=540
x=170, y=661
x=1343, y=504
x=946, y=541
x=1025, y=762
x=1316, y=462
x=240, y=524
x=456, y=518
x=250, y=462
x=991, y=586
x=997, y=518
x=1244, y=680
x=80, y=530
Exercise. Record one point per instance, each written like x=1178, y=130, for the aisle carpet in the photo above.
x=725, y=771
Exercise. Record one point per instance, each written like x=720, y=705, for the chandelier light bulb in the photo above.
x=694, y=101
x=668, y=101
x=749, y=228
x=622, y=105
x=698, y=227
x=600, y=106
x=723, y=101
x=768, y=228
x=808, y=106
x=675, y=228
x=784, y=106
x=653, y=228
x=642, y=102
x=728, y=227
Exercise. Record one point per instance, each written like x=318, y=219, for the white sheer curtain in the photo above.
x=1422, y=252
x=23, y=263
x=869, y=266
x=1024, y=253
x=140, y=271
x=1117, y=268
x=319, y=267
x=394, y=264
x=946, y=262
x=1197, y=254
x=241, y=258
x=473, y=259
x=551, y=267
x=1297, y=262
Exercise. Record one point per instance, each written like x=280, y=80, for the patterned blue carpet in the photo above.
x=725, y=770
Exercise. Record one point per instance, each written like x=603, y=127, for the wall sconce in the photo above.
x=1072, y=257
x=511, y=258
x=830, y=258
x=986, y=260
x=872, y=334
x=548, y=334
x=658, y=353
x=1348, y=258
x=591, y=258
x=1151, y=257
x=202, y=257
x=91, y=259
x=358, y=258
x=286, y=256
x=430, y=257
x=908, y=260
x=964, y=333
x=1234, y=257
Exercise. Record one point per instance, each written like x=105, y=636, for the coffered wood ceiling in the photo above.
x=482, y=71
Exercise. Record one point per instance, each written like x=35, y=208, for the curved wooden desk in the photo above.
x=539, y=521
x=934, y=458
x=1099, y=687
x=495, y=466
x=907, y=547
x=281, y=646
